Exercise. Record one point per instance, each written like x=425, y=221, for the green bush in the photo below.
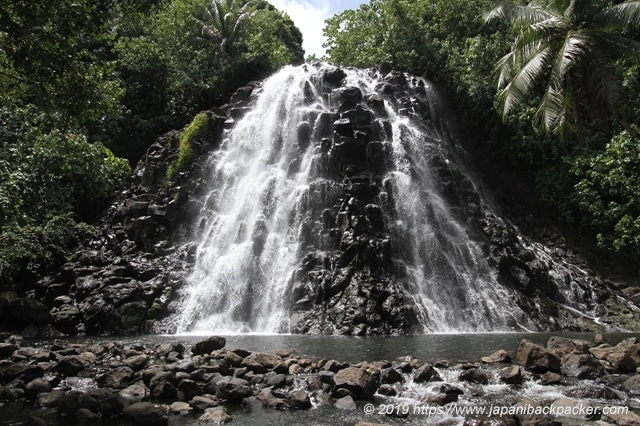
x=27, y=252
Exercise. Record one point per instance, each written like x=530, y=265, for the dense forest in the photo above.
x=548, y=91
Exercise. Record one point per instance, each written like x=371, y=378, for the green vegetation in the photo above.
x=200, y=129
x=566, y=89
x=85, y=84
x=570, y=48
x=85, y=88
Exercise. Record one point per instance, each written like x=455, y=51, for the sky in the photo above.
x=309, y=16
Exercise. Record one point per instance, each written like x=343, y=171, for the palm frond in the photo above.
x=618, y=43
x=516, y=14
x=603, y=81
x=620, y=16
x=556, y=110
x=517, y=90
x=576, y=45
x=504, y=69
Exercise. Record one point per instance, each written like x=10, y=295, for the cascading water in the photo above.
x=335, y=207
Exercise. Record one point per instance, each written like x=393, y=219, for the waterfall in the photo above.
x=336, y=201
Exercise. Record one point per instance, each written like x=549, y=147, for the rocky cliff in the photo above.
x=352, y=273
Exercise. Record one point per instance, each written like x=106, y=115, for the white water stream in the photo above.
x=257, y=210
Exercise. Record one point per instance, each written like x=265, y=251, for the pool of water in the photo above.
x=427, y=347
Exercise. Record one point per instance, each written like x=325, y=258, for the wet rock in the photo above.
x=621, y=358
x=188, y=389
x=511, y=375
x=345, y=403
x=162, y=386
x=334, y=76
x=215, y=415
x=181, y=408
x=358, y=381
x=592, y=392
x=34, y=421
x=86, y=416
x=201, y=403
x=573, y=408
x=536, y=357
x=50, y=399
x=391, y=376
x=269, y=400
x=146, y=413
x=208, y=345
x=11, y=393
x=137, y=362
x=442, y=398
x=550, y=378
x=72, y=401
x=110, y=407
x=66, y=318
x=117, y=378
x=426, y=373
x=581, y=367
x=37, y=386
x=233, y=389
x=133, y=394
x=528, y=412
x=568, y=346
x=632, y=384
x=72, y=365
x=299, y=399
x=500, y=356
x=7, y=349
x=266, y=361
x=474, y=375
x=622, y=419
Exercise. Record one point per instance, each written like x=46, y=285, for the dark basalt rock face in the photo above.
x=350, y=278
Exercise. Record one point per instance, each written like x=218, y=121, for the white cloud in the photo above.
x=309, y=16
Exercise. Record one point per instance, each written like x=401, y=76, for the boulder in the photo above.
x=208, y=345
x=622, y=419
x=269, y=400
x=536, y=357
x=299, y=399
x=188, y=389
x=345, y=403
x=500, y=356
x=511, y=375
x=146, y=413
x=390, y=376
x=201, y=403
x=568, y=346
x=358, y=381
x=37, y=386
x=133, y=394
x=474, y=375
x=50, y=399
x=581, y=366
x=215, y=415
x=426, y=373
x=117, y=378
x=181, y=408
x=233, y=389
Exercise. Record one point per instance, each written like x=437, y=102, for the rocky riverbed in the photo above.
x=566, y=381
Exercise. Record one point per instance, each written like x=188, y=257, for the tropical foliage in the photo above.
x=569, y=48
x=83, y=83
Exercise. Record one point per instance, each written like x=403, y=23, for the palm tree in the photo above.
x=570, y=47
x=223, y=21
